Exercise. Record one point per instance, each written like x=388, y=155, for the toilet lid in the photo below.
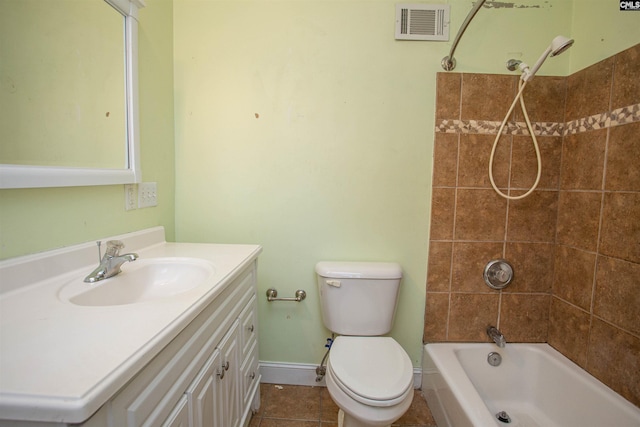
x=371, y=369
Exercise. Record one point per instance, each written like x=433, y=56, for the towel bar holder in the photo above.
x=272, y=296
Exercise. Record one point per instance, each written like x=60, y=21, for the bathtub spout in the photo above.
x=496, y=336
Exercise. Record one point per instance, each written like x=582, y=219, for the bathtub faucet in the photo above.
x=496, y=336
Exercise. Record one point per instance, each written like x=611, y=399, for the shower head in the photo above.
x=557, y=46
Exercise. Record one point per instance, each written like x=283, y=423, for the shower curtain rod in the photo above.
x=449, y=62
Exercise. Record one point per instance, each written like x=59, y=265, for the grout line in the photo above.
x=533, y=242
x=548, y=190
x=460, y=103
x=453, y=231
x=509, y=190
x=600, y=219
x=613, y=325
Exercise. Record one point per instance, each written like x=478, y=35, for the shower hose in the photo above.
x=521, y=87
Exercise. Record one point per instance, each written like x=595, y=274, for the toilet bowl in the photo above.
x=370, y=379
x=369, y=375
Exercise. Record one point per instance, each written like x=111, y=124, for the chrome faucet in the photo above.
x=110, y=262
x=496, y=336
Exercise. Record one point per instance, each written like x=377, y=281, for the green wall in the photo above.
x=602, y=30
x=35, y=220
x=305, y=127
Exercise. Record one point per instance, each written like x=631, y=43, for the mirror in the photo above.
x=68, y=85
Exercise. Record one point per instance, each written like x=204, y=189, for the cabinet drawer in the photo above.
x=249, y=323
x=250, y=374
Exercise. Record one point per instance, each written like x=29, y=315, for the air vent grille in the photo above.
x=422, y=22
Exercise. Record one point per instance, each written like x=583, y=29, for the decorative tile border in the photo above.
x=620, y=116
x=617, y=117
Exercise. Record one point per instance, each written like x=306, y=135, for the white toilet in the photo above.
x=369, y=377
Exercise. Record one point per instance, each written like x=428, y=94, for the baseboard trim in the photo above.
x=289, y=373
x=305, y=374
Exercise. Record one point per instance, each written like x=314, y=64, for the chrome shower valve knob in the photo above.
x=498, y=273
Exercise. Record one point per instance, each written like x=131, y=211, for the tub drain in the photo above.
x=502, y=416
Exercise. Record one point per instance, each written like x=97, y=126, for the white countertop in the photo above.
x=61, y=362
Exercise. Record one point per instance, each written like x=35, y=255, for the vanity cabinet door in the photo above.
x=205, y=394
x=214, y=396
x=230, y=351
x=179, y=417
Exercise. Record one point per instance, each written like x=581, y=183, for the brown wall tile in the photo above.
x=544, y=99
x=569, y=331
x=436, y=317
x=532, y=265
x=614, y=358
x=469, y=260
x=448, y=87
x=439, y=266
x=578, y=219
x=524, y=318
x=623, y=158
x=445, y=160
x=617, y=295
x=626, y=85
x=524, y=166
x=620, y=234
x=442, y=213
x=480, y=215
x=588, y=91
x=475, y=151
x=477, y=104
x=470, y=315
x=533, y=219
x=583, y=160
x=574, y=275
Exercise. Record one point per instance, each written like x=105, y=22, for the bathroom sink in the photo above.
x=143, y=280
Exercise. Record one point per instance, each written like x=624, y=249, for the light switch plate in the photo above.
x=147, y=194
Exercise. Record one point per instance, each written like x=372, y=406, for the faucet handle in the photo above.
x=113, y=248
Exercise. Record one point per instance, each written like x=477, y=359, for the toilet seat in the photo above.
x=375, y=371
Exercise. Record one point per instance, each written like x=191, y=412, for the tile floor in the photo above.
x=304, y=406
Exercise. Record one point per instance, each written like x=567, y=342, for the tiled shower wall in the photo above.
x=574, y=243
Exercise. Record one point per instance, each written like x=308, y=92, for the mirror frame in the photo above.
x=24, y=176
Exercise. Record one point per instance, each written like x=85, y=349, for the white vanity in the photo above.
x=186, y=356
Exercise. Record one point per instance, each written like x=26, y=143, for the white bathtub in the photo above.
x=535, y=384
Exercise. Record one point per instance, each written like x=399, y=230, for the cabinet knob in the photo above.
x=226, y=365
x=252, y=375
x=220, y=373
x=250, y=328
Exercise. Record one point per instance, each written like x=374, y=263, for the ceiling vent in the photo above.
x=422, y=22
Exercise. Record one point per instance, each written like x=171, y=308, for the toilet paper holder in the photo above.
x=272, y=295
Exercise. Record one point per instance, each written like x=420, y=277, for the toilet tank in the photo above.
x=358, y=298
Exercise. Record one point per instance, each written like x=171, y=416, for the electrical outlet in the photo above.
x=130, y=196
x=147, y=194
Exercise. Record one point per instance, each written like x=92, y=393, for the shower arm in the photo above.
x=449, y=62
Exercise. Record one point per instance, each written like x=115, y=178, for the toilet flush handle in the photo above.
x=334, y=283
